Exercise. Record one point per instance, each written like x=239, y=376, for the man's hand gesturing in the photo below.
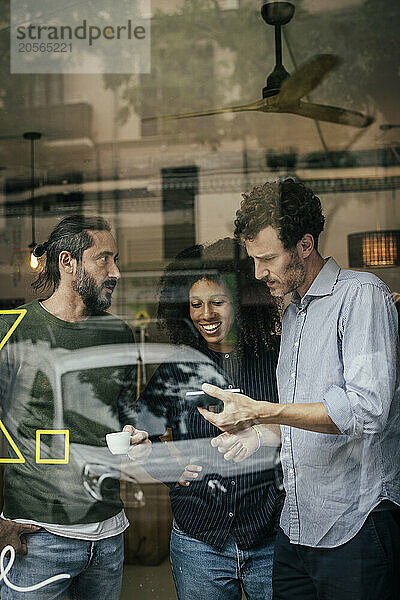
x=240, y=411
x=11, y=533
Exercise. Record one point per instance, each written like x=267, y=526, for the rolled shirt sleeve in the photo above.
x=368, y=332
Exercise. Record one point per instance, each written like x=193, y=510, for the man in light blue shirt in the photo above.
x=339, y=411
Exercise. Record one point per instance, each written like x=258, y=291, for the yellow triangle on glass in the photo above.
x=13, y=445
x=21, y=312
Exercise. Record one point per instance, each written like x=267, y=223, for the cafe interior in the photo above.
x=233, y=96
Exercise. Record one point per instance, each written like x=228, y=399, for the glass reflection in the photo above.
x=224, y=325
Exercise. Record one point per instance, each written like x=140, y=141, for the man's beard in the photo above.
x=91, y=294
x=295, y=273
x=293, y=277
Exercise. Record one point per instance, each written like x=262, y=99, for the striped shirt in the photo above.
x=238, y=499
x=340, y=347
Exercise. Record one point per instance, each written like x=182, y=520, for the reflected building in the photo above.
x=168, y=185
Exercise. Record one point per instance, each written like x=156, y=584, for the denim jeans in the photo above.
x=364, y=568
x=202, y=572
x=95, y=568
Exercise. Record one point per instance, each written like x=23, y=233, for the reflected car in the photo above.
x=79, y=373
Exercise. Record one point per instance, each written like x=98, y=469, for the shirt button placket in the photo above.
x=294, y=524
x=288, y=462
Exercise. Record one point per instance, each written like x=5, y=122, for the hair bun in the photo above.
x=40, y=249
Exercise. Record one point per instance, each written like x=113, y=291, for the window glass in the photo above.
x=157, y=296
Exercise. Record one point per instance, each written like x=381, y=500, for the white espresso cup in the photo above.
x=119, y=442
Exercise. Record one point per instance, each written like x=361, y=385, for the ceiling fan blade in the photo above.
x=330, y=114
x=307, y=77
x=213, y=111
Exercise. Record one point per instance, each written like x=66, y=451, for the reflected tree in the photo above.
x=204, y=57
x=165, y=395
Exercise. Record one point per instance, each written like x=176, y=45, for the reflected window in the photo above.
x=97, y=389
x=44, y=90
x=179, y=188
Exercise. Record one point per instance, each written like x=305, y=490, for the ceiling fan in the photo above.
x=283, y=93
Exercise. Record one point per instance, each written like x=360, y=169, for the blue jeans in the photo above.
x=202, y=572
x=95, y=568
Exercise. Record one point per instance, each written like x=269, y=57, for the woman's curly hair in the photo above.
x=257, y=313
x=289, y=207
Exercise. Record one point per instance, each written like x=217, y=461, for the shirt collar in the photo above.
x=323, y=284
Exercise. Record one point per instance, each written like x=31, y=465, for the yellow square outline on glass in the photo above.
x=52, y=461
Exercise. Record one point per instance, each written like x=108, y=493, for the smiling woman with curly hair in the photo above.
x=257, y=314
x=225, y=513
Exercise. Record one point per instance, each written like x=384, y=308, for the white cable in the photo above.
x=31, y=588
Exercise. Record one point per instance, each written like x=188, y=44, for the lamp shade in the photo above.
x=374, y=249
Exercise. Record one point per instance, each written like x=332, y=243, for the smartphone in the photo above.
x=200, y=398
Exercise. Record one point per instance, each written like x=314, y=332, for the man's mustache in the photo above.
x=109, y=283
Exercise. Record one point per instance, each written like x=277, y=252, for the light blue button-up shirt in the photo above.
x=340, y=346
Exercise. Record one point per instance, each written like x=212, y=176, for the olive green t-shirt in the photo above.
x=57, y=376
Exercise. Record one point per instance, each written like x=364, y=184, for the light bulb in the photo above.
x=33, y=263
